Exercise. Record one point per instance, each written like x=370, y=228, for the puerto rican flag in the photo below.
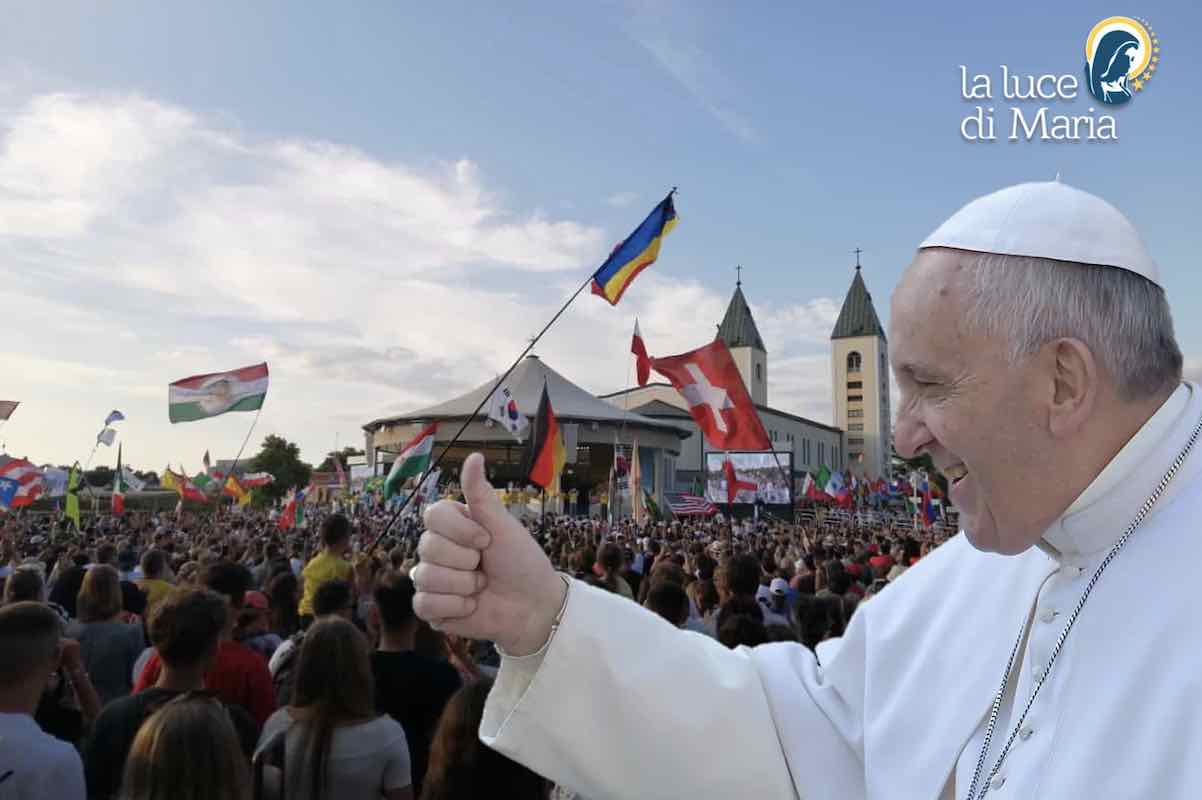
x=20, y=482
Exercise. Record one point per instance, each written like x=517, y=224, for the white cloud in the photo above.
x=621, y=199
x=143, y=243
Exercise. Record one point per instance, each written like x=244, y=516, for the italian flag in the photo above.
x=118, y=487
x=203, y=396
x=412, y=460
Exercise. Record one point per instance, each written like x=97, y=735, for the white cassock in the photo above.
x=620, y=704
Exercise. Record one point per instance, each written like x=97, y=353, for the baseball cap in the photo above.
x=778, y=586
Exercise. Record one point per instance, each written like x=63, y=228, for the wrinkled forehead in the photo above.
x=927, y=311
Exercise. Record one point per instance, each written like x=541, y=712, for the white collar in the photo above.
x=1089, y=524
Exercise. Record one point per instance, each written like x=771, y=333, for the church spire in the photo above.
x=858, y=316
x=738, y=326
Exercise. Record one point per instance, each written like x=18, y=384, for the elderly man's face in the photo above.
x=962, y=402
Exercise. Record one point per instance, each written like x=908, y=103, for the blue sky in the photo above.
x=383, y=200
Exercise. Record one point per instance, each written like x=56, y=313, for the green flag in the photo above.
x=651, y=506
x=73, y=497
x=823, y=477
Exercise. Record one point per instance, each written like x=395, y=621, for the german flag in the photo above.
x=543, y=458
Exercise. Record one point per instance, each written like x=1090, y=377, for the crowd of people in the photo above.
x=152, y=657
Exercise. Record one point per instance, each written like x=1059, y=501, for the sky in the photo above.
x=385, y=201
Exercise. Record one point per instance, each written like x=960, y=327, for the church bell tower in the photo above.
x=860, y=382
x=739, y=333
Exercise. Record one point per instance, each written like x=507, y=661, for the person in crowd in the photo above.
x=33, y=764
x=186, y=630
x=776, y=608
x=283, y=597
x=463, y=768
x=187, y=750
x=254, y=625
x=670, y=601
x=333, y=599
x=411, y=688
x=328, y=565
x=336, y=743
x=65, y=590
x=110, y=646
x=238, y=675
x=154, y=581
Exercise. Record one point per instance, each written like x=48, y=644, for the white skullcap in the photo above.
x=1047, y=220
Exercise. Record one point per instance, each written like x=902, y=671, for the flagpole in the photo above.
x=471, y=417
x=233, y=466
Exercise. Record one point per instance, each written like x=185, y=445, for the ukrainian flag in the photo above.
x=638, y=252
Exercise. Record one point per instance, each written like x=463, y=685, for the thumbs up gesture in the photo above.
x=482, y=575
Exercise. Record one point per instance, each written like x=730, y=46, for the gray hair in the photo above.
x=1122, y=317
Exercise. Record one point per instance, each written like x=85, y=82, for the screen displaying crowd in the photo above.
x=204, y=656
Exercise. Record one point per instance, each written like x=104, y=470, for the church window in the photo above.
x=759, y=372
x=853, y=361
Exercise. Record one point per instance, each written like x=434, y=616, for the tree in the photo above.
x=99, y=477
x=344, y=456
x=282, y=459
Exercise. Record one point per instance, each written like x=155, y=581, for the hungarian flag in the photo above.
x=119, y=487
x=733, y=484
x=642, y=362
x=544, y=454
x=253, y=480
x=202, y=396
x=810, y=490
x=411, y=461
x=710, y=383
x=288, y=517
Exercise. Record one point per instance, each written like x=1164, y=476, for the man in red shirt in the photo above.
x=239, y=675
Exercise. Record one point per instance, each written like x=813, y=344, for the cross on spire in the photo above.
x=858, y=251
x=738, y=276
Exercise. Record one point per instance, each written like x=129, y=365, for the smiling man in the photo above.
x=1025, y=658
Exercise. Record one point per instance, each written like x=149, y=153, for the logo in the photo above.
x=1121, y=55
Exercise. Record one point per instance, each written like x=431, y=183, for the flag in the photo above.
x=167, y=479
x=834, y=484
x=253, y=480
x=20, y=482
x=503, y=409
x=114, y=416
x=411, y=461
x=823, y=477
x=689, y=505
x=205, y=461
x=642, y=362
x=7, y=407
x=54, y=482
x=733, y=484
x=288, y=516
x=202, y=396
x=544, y=454
x=235, y=490
x=652, y=506
x=429, y=488
x=106, y=437
x=929, y=514
x=131, y=480
x=183, y=486
x=341, y=473
x=300, y=503
x=710, y=383
x=118, y=499
x=72, y=510
x=636, y=253
x=807, y=485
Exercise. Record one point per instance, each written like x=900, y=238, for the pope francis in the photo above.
x=1049, y=650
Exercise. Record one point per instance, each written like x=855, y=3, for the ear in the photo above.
x=1075, y=383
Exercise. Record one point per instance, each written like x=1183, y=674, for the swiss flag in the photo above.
x=733, y=484
x=642, y=362
x=709, y=381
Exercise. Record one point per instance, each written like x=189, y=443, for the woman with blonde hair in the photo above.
x=336, y=744
x=109, y=646
x=187, y=750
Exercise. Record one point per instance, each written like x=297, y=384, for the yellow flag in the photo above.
x=72, y=511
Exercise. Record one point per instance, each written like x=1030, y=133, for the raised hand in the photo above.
x=482, y=575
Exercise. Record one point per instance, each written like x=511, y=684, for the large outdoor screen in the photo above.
x=770, y=474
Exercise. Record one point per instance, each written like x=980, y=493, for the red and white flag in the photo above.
x=20, y=482
x=733, y=484
x=7, y=407
x=709, y=381
x=642, y=362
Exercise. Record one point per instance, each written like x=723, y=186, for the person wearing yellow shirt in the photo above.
x=330, y=564
x=155, y=584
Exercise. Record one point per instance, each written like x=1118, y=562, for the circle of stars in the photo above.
x=1146, y=75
